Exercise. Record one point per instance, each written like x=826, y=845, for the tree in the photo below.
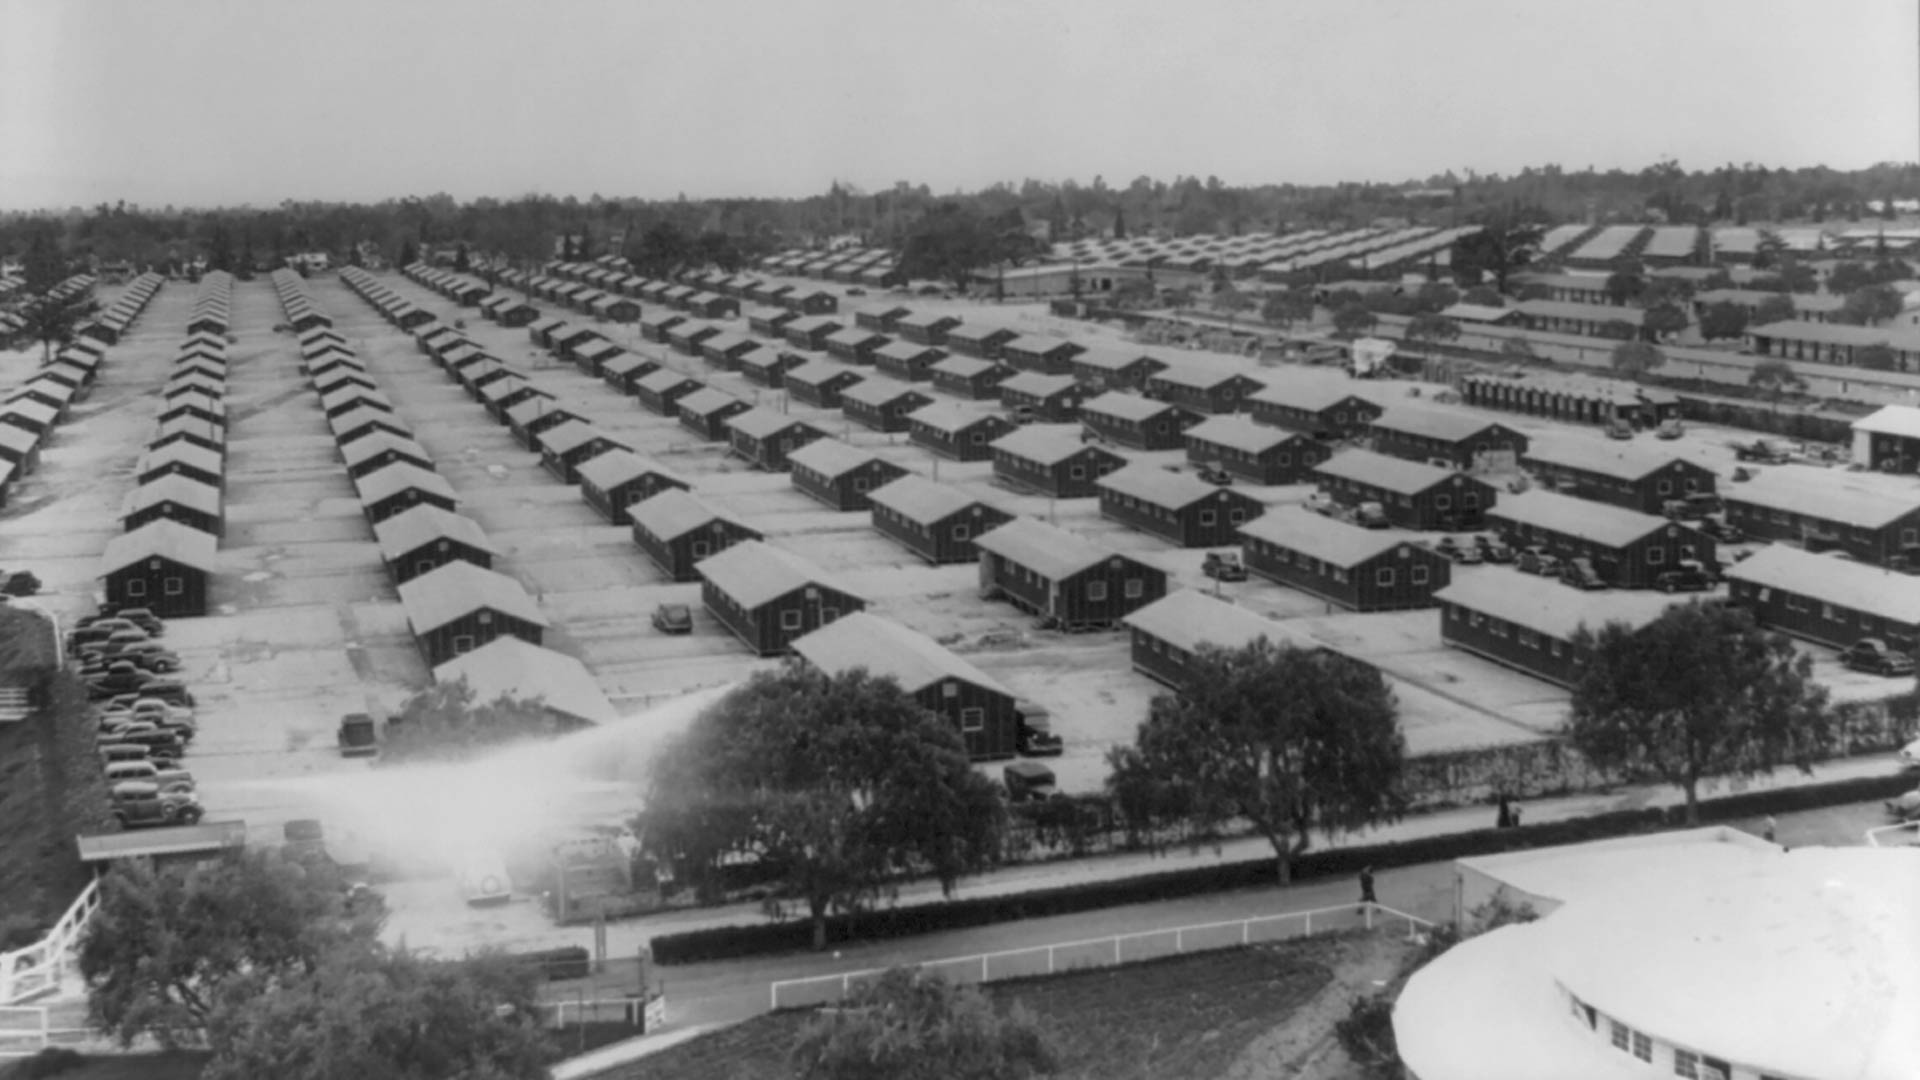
x=1119, y=225
x=1876, y=357
x=1723, y=320
x=1485, y=296
x=1871, y=305
x=53, y=320
x=41, y=265
x=1132, y=293
x=462, y=260
x=909, y=1023
x=1231, y=300
x=1849, y=276
x=1291, y=740
x=1776, y=308
x=1533, y=290
x=1624, y=286
x=1436, y=296
x=409, y=253
x=1518, y=349
x=1776, y=377
x=1618, y=330
x=376, y=1012
x=1664, y=320
x=167, y=945
x=950, y=243
x=446, y=723
x=842, y=783
x=1287, y=307
x=1508, y=239
x=1701, y=691
x=1352, y=319
x=1429, y=330
x=1635, y=358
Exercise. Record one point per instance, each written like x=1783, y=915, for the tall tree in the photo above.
x=447, y=722
x=1624, y=286
x=1723, y=320
x=842, y=783
x=1876, y=357
x=1485, y=296
x=1517, y=349
x=1699, y=692
x=1426, y=331
x=166, y=946
x=1352, y=319
x=909, y=1023
x=1872, y=305
x=1776, y=308
x=1664, y=320
x=53, y=320
x=1776, y=377
x=1295, y=741
x=1231, y=300
x=1636, y=358
x=1435, y=296
x=1508, y=239
x=1287, y=307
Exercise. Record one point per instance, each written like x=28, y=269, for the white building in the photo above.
x=1708, y=954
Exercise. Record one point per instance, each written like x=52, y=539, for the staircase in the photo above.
x=35, y=972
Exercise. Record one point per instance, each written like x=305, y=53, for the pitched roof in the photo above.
x=385, y=483
x=1124, y=406
x=1187, y=619
x=1866, y=500
x=706, y=401
x=1042, y=548
x=404, y=532
x=1196, y=377
x=877, y=391
x=760, y=422
x=371, y=446
x=1321, y=537
x=183, y=544
x=1397, y=475
x=452, y=590
x=1843, y=582
x=904, y=350
x=965, y=367
x=1624, y=462
x=673, y=513
x=831, y=457
x=569, y=435
x=1038, y=384
x=1161, y=487
x=1902, y=420
x=664, y=379
x=616, y=467
x=173, y=487
x=949, y=416
x=1602, y=523
x=1550, y=610
x=1047, y=444
x=185, y=453
x=507, y=665
x=754, y=572
x=1238, y=431
x=917, y=498
x=1432, y=423
x=888, y=650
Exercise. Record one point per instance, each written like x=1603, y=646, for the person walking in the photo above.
x=1771, y=826
x=1513, y=815
x=1366, y=886
x=1503, y=819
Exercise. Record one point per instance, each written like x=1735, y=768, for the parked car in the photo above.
x=1493, y=549
x=1618, y=428
x=1876, y=657
x=139, y=804
x=1213, y=474
x=167, y=775
x=1670, y=428
x=152, y=656
x=167, y=688
x=1321, y=504
x=1689, y=576
x=1721, y=531
x=160, y=743
x=120, y=677
x=1224, y=566
x=1695, y=507
x=1459, y=551
x=151, y=710
x=1029, y=780
x=1371, y=515
x=1579, y=572
x=358, y=736
x=97, y=632
x=141, y=617
x=673, y=619
x=1761, y=451
x=1905, y=807
x=1537, y=560
x=1037, y=737
x=1910, y=755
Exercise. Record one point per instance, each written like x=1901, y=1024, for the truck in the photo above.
x=1029, y=781
x=358, y=736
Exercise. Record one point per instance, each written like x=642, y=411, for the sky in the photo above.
x=225, y=102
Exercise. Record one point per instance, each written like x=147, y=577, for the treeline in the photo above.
x=542, y=226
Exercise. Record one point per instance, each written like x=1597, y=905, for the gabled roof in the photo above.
x=1566, y=309
x=1843, y=582
x=1237, y=430
x=182, y=452
x=14, y=437
x=568, y=435
x=888, y=650
x=917, y=498
x=1430, y=423
x=663, y=379
x=616, y=467
x=1321, y=537
x=1037, y=384
x=952, y=416
x=902, y=349
x=182, y=544
x=853, y=336
x=1550, y=610
x=1187, y=620
x=1196, y=377
x=400, y=476
x=1901, y=420
x=965, y=367
x=673, y=513
x=1161, y=487
x=814, y=372
x=1627, y=462
x=372, y=446
x=174, y=488
x=754, y=572
x=831, y=457
x=533, y=406
x=880, y=391
x=1048, y=444
x=407, y=531
x=1385, y=471
x=515, y=668
x=1866, y=500
x=361, y=415
x=1124, y=406
x=761, y=422
x=706, y=401
x=1602, y=523
x=455, y=589
x=1051, y=552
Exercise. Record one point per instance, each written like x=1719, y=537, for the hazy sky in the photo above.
x=199, y=102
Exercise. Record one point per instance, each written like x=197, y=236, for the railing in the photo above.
x=1110, y=951
x=26, y=1030
x=35, y=970
x=649, y=1013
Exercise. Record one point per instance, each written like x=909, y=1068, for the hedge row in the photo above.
x=761, y=939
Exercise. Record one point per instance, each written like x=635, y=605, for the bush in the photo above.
x=760, y=939
x=52, y=1061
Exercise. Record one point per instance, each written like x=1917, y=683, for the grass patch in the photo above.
x=177, y=1065
x=1188, y=1016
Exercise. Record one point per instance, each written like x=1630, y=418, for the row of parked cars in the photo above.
x=144, y=714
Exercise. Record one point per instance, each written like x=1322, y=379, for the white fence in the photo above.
x=1110, y=951
x=35, y=971
x=26, y=1030
x=650, y=1012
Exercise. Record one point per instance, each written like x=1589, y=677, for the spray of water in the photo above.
x=427, y=818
